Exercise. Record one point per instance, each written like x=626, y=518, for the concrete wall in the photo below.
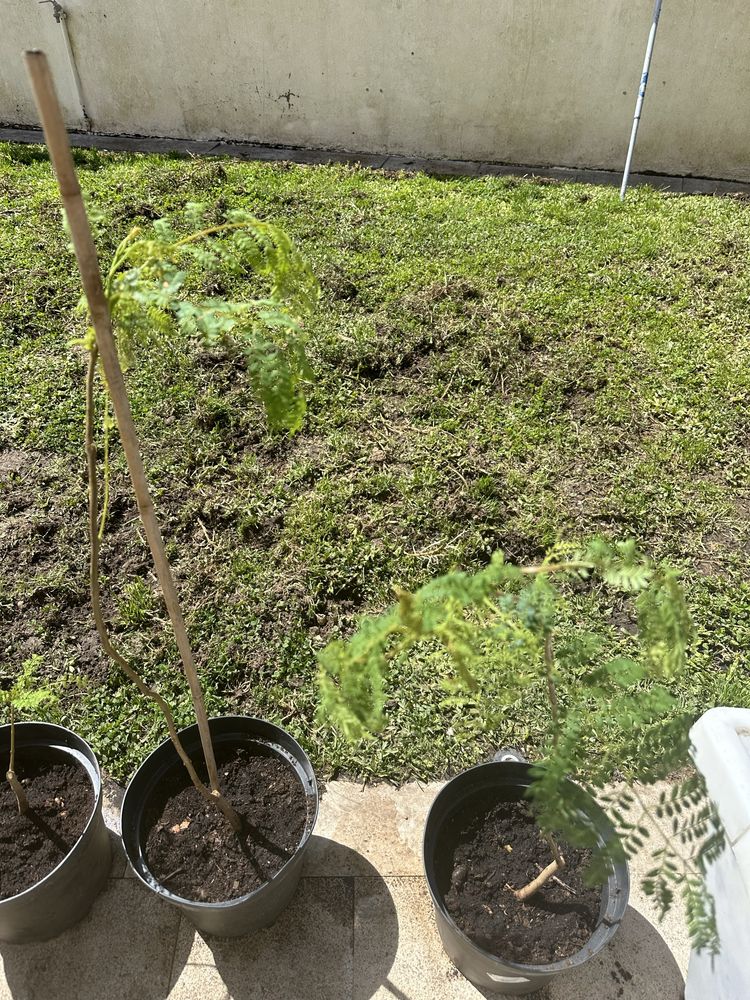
x=524, y=81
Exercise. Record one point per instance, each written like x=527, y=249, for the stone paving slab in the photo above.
x=359, y=928
x=638, y=963
x=382, y=826
x=307, y=953
x=123, y=950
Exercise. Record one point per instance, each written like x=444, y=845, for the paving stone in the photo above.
x=306, y=954
x=247, y=151
x=382, y=824
x=636, y=965
x=200, y=982
x=254, y=151
x=655, y=181
x=323, y=156
x=402, y=163
x=702, y=185
x=436, y=168
x=471, y=168
x=123, y=950
x=673, y=926
x=394, y=916
x=349, y=934
x=111, y=802
x=397, y=951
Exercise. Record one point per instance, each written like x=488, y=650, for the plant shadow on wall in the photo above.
x=338, y=938
x=504, y=629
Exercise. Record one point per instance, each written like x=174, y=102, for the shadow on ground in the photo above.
x=347, y=935
x=133, y=946
x=636, y=965
x=124, y=948
x=310, y=952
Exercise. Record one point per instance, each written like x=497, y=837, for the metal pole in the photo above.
x=641, y=95
x=61, y=17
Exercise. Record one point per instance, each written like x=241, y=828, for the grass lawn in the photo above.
x=499, y=364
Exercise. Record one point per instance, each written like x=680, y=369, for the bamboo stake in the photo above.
x=218, y=800
x=58, y=145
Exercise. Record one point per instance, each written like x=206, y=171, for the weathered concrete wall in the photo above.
x=525, y=81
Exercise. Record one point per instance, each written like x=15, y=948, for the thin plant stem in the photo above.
x=556, y=865
x=18, y=790
x=215, y=798
x=558, y=861
x=119, y=255
x=549, y=665
x=12, y=763
x=553, y=567
x=223, y=228
x=536, y=884
x=554, y=850
x=105, y=498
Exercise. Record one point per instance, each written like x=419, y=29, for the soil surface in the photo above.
x=481, y=873
x=61, y=800
x=191, y=849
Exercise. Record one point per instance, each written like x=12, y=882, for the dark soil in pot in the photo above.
x=493, y=845
x=192, y=851
x=61, y=801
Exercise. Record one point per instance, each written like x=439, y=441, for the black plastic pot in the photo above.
x=64, y=896
x=492, y=972
x=256, y=909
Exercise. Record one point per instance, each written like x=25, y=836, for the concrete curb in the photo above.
x=441, y=168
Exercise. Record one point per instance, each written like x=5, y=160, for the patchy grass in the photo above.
x=500, y=364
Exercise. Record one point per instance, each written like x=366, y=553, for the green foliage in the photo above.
x=497, y=629
x=27, y=693
x=148, y=289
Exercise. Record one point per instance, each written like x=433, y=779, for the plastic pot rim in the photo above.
x=151, y=882
x=551, y=968
x=91, y=767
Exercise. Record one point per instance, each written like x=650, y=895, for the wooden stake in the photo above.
x=58, y=145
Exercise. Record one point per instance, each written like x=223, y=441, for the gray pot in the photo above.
x=64, y=896
x=261, y=907
x=492, y=972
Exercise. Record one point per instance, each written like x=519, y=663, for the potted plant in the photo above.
x=526, y=864
x=227, y=851
x=54, y=846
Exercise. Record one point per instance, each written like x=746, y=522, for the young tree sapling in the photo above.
x=500, y=629
x=24, y=695
x=144, y=288
x=142, y=299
